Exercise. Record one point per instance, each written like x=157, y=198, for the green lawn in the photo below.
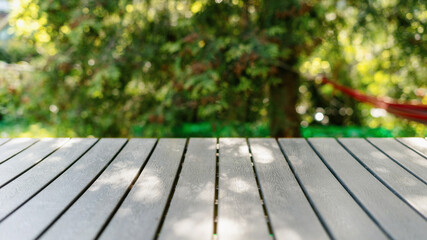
x=203, y=129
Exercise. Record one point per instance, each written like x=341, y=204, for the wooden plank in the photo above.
x=240, y=213
x=404, y=184
x=407, y=158
x=290, y=213
x=341, y=214
x=3, y=140
x=417, y=144
x=395, y=216
x=14, y=146
x=21, y=189
x=85, y=218
x=191, y=212
x=28, y=158
x=30, y=220
x=139, y=215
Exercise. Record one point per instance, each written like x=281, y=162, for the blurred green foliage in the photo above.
x=211, y=68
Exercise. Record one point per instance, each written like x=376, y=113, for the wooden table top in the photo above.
x=208, y=188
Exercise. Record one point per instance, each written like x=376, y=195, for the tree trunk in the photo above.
x=284, y=120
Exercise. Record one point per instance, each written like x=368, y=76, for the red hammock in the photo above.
x=415, y=112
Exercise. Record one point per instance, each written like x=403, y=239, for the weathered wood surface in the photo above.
x=417, y=144
x=227, y=188
x=17, y=192
x=240, y=213
x=404, y=184
x=342, y=216
x=191, y=211
x=3, y=140
x=282, y=194
x=30, y=220
x=140, y=214
x=87, y=215
x=404, y=156
x=10, y=148
x=29, y=157
x=395, y=216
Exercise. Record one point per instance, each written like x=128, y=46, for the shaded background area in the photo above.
x=208, y=68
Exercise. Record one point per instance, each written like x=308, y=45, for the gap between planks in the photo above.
x=310, y=201
x=50, y=181
x=350, y=192
x=261, y=196
x=215, y=217
x=83, y=190
x=172, y=191
x=126, y=193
